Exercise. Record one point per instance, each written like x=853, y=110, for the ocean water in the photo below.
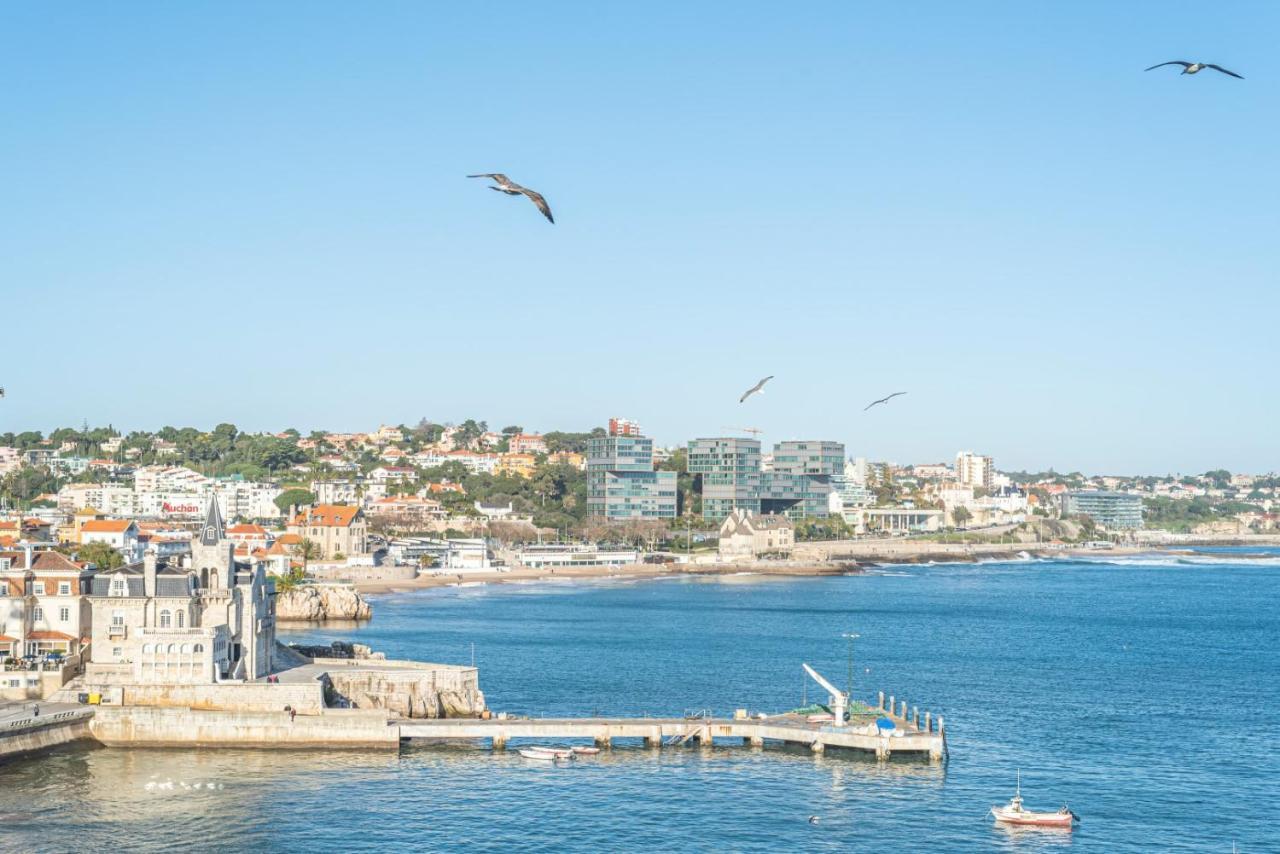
x=1144, y=692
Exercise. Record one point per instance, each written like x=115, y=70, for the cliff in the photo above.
x=312, y=602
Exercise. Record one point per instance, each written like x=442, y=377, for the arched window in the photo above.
x=166, y=617
x=186, y=649
x=173, y=648
x=146, y=649
x=198, y=648
x=181, y=618
x=204, y=577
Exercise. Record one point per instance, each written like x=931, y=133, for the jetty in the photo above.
x=909, y=737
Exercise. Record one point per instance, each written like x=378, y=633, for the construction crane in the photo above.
x=755, y=433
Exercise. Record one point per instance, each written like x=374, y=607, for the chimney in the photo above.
x=149, y=567
x=29, y=550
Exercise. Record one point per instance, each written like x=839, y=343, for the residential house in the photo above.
x=747, y=534
x=337, y=529
x=527, y=443
x=120, y=534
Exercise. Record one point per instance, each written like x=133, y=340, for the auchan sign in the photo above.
x=180, y=508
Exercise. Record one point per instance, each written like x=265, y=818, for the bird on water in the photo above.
x=882, y=400
x=1195, y=67
x=503, y=184
x=813, y=819
x=758, y=388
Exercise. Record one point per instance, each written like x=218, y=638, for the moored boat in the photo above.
x=553, y=752
x=586, y=751
x=540, y=755
x=1014, y=813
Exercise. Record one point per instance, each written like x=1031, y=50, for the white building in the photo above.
x=974, y=469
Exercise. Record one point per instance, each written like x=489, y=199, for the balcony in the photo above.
x=115, y=631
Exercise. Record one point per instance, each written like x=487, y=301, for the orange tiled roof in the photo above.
x=62, y=636
x=289, y=540
x=106, y=526
x=7, y=639
x=328, y=516
x=247, y=529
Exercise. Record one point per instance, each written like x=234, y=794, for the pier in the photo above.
x=911, y=739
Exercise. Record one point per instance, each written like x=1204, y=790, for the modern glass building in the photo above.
x=1111, y=510
x=799, y=485
x=621, y=482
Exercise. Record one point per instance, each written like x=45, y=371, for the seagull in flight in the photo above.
x=882, y=400
x=1195, y=67
x=503, y=184
x=758, y=388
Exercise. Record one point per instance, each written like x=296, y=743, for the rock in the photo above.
x=409, y=694
x=312, y=602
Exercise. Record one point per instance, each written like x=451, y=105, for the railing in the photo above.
x=115, y=631
x=45, y=720
x=33, y=666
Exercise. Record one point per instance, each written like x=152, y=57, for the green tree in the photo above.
x=308, y=550
x=292, y=498
x=101, y=555
x=291, y=579
x=962, y=516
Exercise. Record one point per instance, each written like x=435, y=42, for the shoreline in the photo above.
x=855, y=561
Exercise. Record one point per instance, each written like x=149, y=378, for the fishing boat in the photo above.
x=1015, y=813
x=586, y=751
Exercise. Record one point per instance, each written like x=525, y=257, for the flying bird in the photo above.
x=503, y=184
x=882, y=400
x=758, y=388
x=1195, y=67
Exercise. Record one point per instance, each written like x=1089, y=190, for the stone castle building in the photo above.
x=211, y=620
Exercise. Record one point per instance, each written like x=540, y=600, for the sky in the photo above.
x=256, y=213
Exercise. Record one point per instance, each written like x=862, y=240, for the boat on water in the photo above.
x=1015, y=813
x=586, y=751
x=546, y=752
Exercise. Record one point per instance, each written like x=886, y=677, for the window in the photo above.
x=64, y=614
x=166, y=617
x=181, y=618
x=37, y=614
x=186, y=649
x=117, y=652
x=173, y=648
x=198, y=648
x=119, y=587
x=117, y=618
x=146, y=649
x=39, y=588
x=64, y=588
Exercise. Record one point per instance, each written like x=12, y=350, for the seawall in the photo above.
x=138, y=726
x=31, y=734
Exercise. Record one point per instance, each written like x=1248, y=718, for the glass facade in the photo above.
x=621, y=482
x=799, y=485
x=1112, y=510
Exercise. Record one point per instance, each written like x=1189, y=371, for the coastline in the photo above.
x=841, y=562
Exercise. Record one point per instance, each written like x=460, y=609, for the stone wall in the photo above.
x=250, y=697
x=178, y=727
x=24, y=736
x=315, y=602
x=406, y=689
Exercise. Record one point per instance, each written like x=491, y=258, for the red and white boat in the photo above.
x=1015, y=814
x=586, y=751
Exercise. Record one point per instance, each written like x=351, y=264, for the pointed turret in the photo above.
x=214, y=531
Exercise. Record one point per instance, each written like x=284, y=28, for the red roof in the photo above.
x=7, y=639
x=247, y=529
x=63, y=636
x=328, y=516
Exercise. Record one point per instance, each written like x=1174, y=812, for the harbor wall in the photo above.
x=138, y=726
x=38, y=733
x=305, y=697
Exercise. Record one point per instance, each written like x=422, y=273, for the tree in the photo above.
x=101, y=555
x=291, y=579
x=961, y=515
x=292, y=498
x=308, y=550
x=512, y=430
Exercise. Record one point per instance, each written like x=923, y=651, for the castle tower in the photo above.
x=212, y=554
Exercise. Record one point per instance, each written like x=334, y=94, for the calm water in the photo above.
x=1145, y=693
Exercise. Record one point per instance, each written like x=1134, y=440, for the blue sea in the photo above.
x=1143, y=691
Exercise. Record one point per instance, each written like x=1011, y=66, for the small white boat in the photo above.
x=586, y=751
x=1014, y=813
x=540, y=755
x=553, y=752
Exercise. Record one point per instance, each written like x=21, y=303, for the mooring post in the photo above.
x=891, y=705
x=654, y=738
x=904, y=711
x=817, y=746
x=881, y=705
x=915, y=714
x=942, y=727
x=603, y=741
x=499, y=742
x=928, y=721
x=756, y=741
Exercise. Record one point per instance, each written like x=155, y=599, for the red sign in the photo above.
x=179, y=508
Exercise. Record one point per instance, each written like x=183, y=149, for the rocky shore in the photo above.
x=309, y=603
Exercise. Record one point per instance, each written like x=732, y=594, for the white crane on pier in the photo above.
x=838, y=702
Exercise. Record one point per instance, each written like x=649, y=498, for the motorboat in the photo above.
x=553, y=752
x=586, y=751
x=1015, y=813
x=540, y=755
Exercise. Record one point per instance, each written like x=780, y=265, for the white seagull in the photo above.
x=503, y=184
x=758, y=388
x=882, y=400
x=1195, y=67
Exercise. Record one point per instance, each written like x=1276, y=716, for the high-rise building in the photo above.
x=731, y=475
x=623, y=427
x=621, y=481
x=974, y=469
x=799, y=483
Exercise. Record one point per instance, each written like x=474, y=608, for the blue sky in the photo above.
x=1064, y=260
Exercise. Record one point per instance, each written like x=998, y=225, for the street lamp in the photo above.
x=851, y=636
